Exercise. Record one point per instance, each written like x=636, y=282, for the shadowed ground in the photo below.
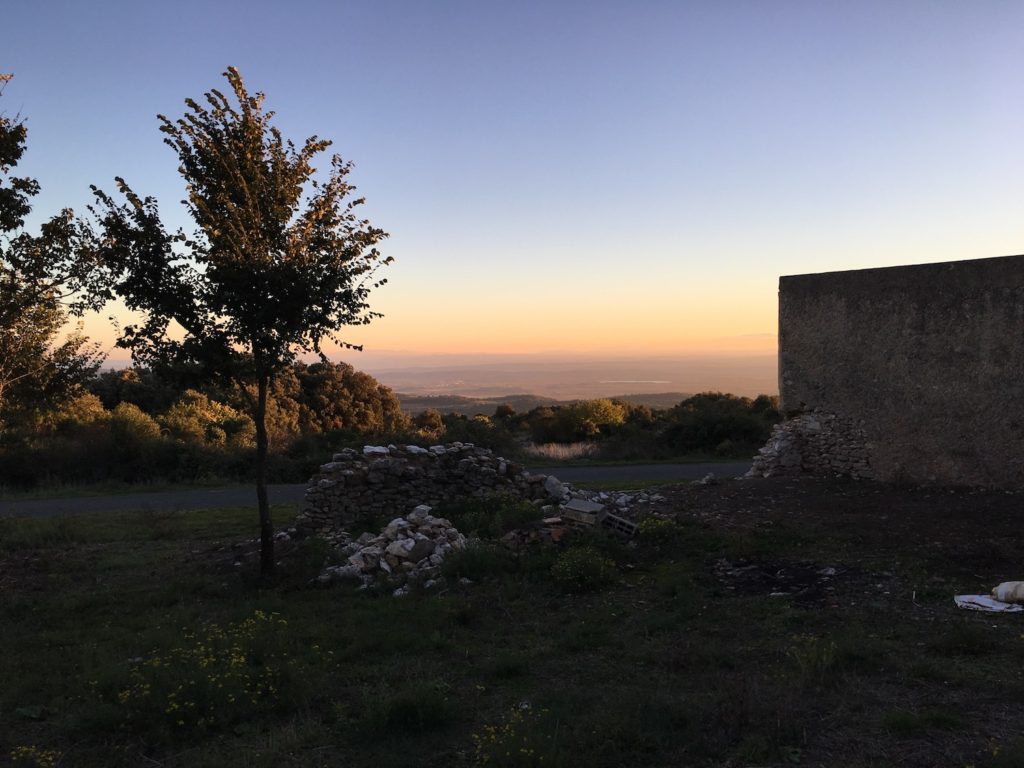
x=208, y=498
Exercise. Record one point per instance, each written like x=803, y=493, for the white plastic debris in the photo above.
x=985, y=603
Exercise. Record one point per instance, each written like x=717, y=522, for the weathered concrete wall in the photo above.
x=927, y=360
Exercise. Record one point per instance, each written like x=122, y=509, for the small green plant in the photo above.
x=814, y=659
x=581, y=569
x=219, y=676
x=657, y=532
x=525, y=738
x=1007, y=755
x=34, y=757
x=489, y=517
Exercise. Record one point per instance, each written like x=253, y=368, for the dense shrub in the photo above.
x=137, y=426
x=197, y=419
x=718, y=423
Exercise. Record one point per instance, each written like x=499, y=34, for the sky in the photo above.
x=573, y=178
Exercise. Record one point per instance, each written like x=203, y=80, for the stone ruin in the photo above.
x=387, y=481
x=924, y=359
x=815, y=443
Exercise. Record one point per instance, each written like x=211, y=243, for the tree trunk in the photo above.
x=266, y=526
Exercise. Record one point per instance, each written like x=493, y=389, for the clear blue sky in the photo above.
x=584, y=176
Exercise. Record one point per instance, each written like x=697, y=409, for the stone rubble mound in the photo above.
x=577, y=508
x=408, y=549
x=815, y=443
x=384, y=481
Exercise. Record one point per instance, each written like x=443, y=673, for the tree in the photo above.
x=36, y=372
x=278, y=262
x=41, y=277
x=337, y=396
x=429, y=423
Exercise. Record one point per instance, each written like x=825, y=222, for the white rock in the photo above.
x=401, y=548
x=553, y=487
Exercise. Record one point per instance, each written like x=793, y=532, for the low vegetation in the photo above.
x=133, y=639
x=134, y=426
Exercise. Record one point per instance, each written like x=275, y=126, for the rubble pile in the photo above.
x=585, y=509
x=409, y=549
x=384, y=481
x=815, y=443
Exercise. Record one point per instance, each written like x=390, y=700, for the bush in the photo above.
x=197, y=419
x=713, y=422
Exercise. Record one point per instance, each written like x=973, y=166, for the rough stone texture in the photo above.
x=410, y=548
x=925, y=363
x=815, y=443
x=387, y=481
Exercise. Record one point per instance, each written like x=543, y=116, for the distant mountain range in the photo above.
x=470, y=406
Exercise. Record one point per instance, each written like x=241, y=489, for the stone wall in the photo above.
x=925, y=364
x=388, y=481
x=818, y=444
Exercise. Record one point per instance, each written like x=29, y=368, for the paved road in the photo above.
x=627, y=473
x=170, y=501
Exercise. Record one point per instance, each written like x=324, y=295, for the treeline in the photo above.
x=707, y=425
x=135, y=426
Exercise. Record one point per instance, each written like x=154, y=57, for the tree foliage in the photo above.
x=41, y=278
x=278, y=262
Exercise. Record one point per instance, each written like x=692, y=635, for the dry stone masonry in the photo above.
x=388, y=481
x=815, y=443
x=926, y=358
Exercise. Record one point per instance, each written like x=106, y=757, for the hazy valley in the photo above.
x=503, y=377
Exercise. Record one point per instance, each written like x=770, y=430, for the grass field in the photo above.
x=764, y=624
